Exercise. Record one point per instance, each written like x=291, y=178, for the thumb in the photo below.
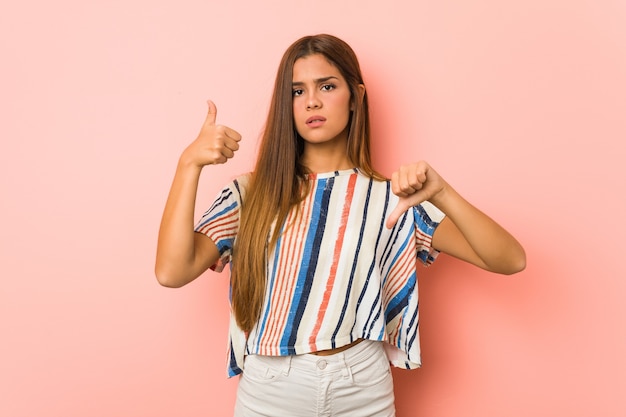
x=397, y=212
x=212, y=114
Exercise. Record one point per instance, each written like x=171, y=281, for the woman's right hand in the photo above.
x=215, y=144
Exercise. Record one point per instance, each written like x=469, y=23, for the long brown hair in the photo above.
x=279, y=180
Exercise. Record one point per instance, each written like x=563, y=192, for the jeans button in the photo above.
x=321, y=364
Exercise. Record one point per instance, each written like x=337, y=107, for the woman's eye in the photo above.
x=297, y=93
x=328, y=87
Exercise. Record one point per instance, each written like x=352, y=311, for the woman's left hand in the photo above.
x=414, y=184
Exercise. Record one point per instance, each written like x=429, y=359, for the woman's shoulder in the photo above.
x=373, y=176
x=237, y=186
x=243, y=179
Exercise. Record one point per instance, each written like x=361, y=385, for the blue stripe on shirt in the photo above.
x=310, y=257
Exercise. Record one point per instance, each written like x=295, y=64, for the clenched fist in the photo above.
x=414, y=184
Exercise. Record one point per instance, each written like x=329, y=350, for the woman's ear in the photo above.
x=360, y=93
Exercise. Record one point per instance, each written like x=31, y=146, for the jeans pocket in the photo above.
x=263, y=369
x=373, y=371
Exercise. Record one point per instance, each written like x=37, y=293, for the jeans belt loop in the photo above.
x=346, y=372
x=287, y=366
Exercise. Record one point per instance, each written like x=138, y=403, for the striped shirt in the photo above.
x=336, y=273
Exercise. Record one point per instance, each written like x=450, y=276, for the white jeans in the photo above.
x=356, y=383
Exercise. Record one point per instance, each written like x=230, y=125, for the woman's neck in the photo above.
x=326, y=157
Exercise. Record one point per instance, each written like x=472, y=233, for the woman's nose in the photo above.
x=313, y=103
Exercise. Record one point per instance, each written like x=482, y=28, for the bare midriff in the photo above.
x=328, y=352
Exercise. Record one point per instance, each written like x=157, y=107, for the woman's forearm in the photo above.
x=496, y=248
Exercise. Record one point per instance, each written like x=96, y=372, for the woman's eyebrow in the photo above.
x=317, y=81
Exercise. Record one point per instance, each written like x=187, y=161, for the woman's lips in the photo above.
x=315, y=121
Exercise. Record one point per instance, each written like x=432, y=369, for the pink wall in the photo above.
x=519, y=104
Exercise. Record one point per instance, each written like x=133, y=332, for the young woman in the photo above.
x=323, y=249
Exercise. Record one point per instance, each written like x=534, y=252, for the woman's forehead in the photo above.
x=314, y=67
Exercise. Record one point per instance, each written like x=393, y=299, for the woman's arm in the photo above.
x=182, y=255
x=466, y=232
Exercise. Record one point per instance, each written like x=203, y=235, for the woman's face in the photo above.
x=321, y=101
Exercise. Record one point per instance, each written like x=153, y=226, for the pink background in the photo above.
x=521, y=105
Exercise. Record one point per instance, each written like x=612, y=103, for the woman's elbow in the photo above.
x=514, y=269
x=514, y=264
x=521, y=264
x=168, y=278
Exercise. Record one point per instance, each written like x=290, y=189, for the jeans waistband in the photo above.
x=338, y=362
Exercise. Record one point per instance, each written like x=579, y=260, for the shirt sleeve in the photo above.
x=426, y=219
x=221, y=222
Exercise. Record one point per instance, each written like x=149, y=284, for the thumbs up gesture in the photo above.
x=414, y=184
x=215, y=143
